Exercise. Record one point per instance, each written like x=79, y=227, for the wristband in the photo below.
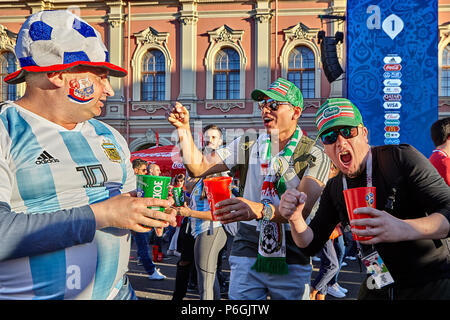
x=267, y=212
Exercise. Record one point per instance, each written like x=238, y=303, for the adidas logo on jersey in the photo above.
x=45, y=157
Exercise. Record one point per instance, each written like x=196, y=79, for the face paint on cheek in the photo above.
x=81, y=90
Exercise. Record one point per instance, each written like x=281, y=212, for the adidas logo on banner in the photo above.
x=45, y=157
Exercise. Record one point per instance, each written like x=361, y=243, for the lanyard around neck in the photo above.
x=368, y=171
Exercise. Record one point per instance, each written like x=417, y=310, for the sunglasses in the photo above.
x=331, y=136
x=271, y=103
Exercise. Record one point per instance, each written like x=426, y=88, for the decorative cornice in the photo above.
x=444, y=30
x=152, y=36
x=153, y=106
x=7, y=38
x=225, y=106
x=262, y=15
x=299, y=32
x=150, y=107
x=115, y=22
x=189, y=19
x=225, y=34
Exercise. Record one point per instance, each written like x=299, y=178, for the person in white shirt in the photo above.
x=66, y=197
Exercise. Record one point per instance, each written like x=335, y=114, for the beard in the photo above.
x=358, y=172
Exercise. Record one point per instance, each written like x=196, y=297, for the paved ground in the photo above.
x=350, y=278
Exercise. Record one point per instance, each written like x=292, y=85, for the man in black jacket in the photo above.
x=412, y=207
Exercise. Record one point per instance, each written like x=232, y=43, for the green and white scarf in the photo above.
x=272, y=243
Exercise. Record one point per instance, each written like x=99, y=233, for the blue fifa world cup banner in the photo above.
x=392, y=69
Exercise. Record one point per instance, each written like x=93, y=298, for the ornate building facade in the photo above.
x=207, y=54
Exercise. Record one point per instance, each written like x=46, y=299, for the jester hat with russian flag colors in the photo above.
x=59, y=40
x=337, y=112
x=281, y=90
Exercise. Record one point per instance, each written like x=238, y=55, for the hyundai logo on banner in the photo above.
x=392, y=75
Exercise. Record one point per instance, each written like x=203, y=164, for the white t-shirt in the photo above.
x=246, y=239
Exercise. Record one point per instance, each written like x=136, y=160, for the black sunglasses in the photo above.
x=271, y=103
x=331, y=136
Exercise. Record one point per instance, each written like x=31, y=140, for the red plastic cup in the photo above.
x=179, y=220
x=155, y=252
x=359, y=198
x=217, y=189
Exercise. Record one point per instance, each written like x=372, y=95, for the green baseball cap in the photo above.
x=337, y=112
x=281, y=90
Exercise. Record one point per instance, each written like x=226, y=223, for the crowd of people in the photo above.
x=68, y=202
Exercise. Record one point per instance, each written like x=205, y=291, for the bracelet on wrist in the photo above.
x=267, y=211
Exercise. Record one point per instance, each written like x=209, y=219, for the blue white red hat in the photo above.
x=59, y=40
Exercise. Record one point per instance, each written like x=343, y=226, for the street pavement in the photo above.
x=350, y=278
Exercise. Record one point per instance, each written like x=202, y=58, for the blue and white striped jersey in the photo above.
x=45, y=168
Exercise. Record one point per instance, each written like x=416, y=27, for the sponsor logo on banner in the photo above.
x=393, y=135
x=392, y=116
x=392, y=97
x=391, y=129
x=392, y=122
x=177, y=165
x=391, y=141
x=392, y=105
x=392, y=75
x=392, y=89
x=392, y=59
x=392, y=67
x=392, y=82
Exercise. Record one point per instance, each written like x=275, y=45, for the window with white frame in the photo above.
x=226, y=74
x=225, y=63
x=7, y=65
x=153, y=76
x=445, y=75
x=152, y=64
x=299, y=59
x=301, y=70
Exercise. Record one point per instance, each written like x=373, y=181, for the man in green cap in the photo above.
x=264, y=259
x=411, y=214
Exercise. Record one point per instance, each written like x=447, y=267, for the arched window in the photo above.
x=153, y=76
x=301, y=70
x=226, y=75
x=445, y=75
x=7, y=66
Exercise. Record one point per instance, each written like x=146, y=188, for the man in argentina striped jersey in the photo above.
x=66, y=200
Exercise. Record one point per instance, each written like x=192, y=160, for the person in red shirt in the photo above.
x=440, y=158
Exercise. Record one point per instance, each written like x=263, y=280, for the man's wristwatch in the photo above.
x=267, y=212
